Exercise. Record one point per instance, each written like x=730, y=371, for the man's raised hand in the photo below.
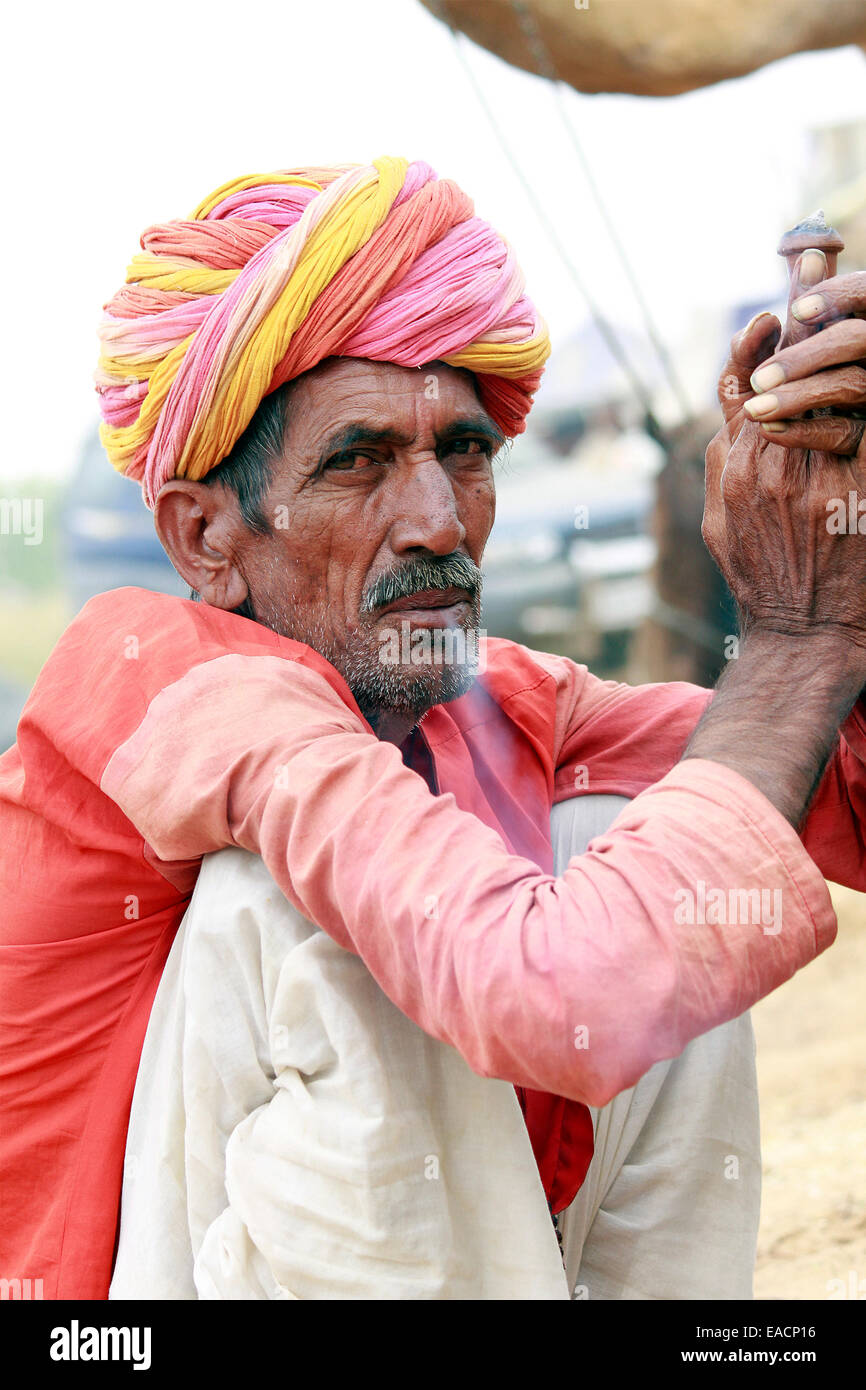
x=823, y=370
x=773, y=479
x=800, y=584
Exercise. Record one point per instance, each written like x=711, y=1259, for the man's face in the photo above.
x=380, y=509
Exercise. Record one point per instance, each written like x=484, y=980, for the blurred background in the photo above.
x=644, y=162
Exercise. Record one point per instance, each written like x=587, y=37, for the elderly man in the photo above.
x=318, y=491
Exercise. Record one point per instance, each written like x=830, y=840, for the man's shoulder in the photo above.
x=179, y=630
x=137, y=614
x=511, y=668
x=560, y=700
x=158, y=613
x=130, y=644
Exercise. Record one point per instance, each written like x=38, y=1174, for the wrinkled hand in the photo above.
x=818, y=370
x=767, y=502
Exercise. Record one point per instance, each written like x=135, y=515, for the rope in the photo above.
x=605, y=329
x=547, y=70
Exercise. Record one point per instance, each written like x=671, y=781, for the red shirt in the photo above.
x=160, y=730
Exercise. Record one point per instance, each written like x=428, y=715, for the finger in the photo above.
x=750, y=346
x=716, y=458
x=809, y=269
x=744, y=462
x=843, y=295
x=837, y=386
x=839, y=342
x=757, y=341
x=829, y=434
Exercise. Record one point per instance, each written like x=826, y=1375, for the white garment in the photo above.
x=293, y=1135
x=670, y=1206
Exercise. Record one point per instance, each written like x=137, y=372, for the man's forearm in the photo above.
x=777, y=710
x=531, y=978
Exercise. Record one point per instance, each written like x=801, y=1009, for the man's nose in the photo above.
x=425, y=511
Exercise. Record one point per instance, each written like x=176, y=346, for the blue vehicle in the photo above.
x=109, y=538
x=568, y=567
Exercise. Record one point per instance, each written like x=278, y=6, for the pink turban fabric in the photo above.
x=271, y=274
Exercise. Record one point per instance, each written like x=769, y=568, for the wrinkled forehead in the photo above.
x=342, y=393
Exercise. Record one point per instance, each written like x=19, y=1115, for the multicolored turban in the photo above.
x=273, y=273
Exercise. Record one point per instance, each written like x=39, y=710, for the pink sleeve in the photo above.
x=834, y=832
x=615, y=738
x=573, y=985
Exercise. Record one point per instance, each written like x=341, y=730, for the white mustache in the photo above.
x=456, y=572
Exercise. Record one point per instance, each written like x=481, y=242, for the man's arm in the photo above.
x=799, y=584
x=515, y=968
x=777, y=710
x=618, y=740
x=775, y=713
x=511, y=966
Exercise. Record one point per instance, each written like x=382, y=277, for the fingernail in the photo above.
x=764, y=405
x=809, y=307
x=765, y=378
x=764, y=314
x=775, y=426
x=813, y=267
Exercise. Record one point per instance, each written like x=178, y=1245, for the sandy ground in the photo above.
x=811, y=1037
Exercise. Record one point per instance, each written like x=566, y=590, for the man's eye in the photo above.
x=478, y=447
x=350, y=463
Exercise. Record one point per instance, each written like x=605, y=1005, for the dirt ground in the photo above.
x=811, y=1037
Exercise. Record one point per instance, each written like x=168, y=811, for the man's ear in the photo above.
x=200, y=528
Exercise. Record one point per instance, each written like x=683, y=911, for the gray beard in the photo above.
x=379, y=687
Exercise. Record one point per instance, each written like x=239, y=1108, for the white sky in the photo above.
x=120, y=115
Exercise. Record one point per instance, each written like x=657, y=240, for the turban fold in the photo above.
x=271, y=274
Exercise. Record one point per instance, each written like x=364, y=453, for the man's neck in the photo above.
x=391, y=727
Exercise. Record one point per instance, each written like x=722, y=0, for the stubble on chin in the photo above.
x=377, y=686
